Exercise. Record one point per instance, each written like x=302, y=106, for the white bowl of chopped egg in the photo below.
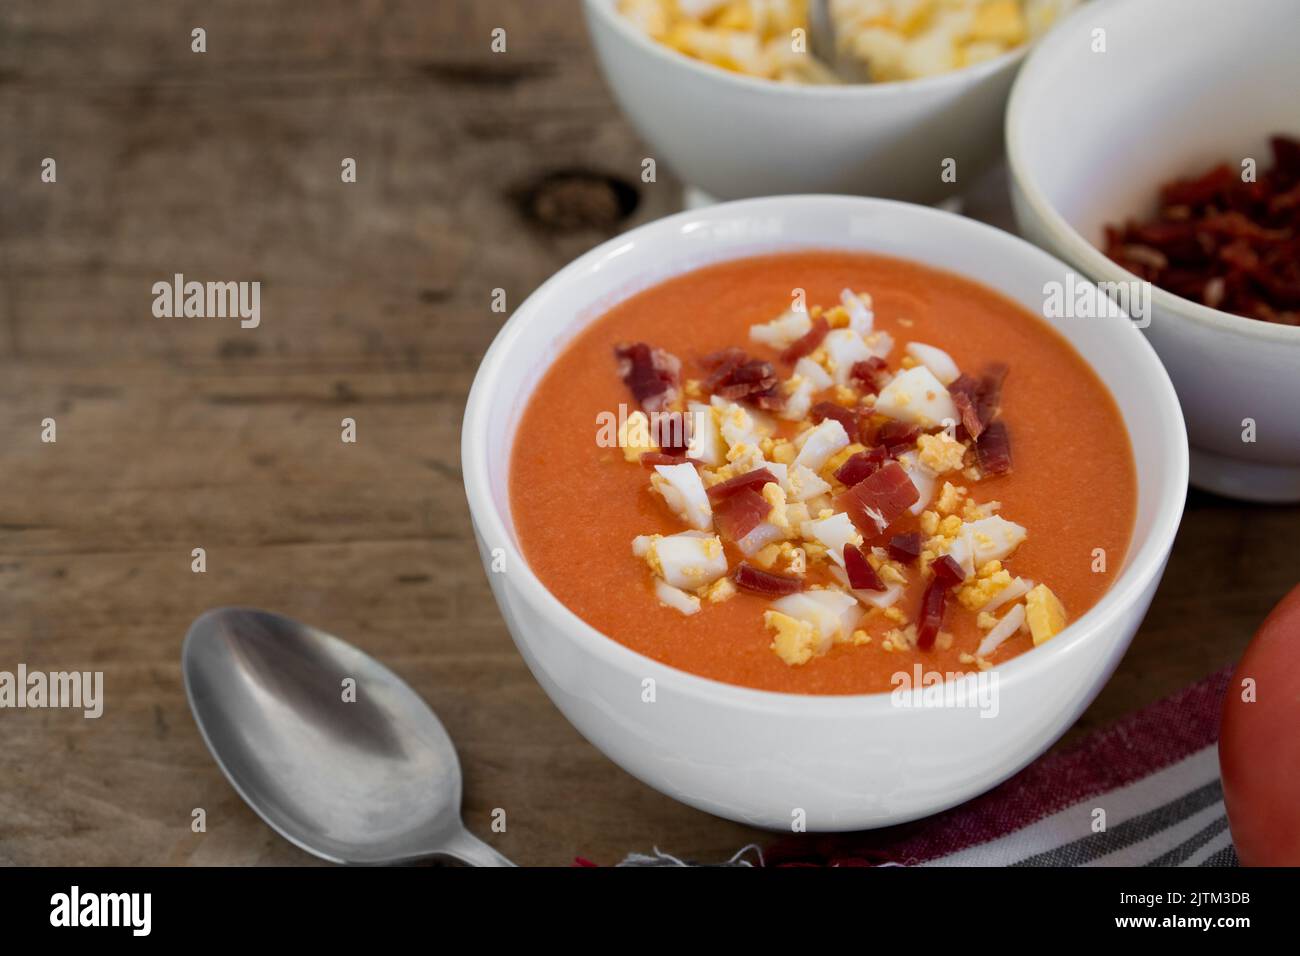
x=726, y=93
x=1119, y=101
x=775, y=759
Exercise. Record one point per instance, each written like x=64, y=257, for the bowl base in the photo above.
x=1245, y=480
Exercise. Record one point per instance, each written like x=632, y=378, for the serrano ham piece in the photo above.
x=990, y=392
x=807, y=343
x=845, y=416
x=965, y=395
x=861, y=466
x=739, y=514
x=878, y=499
x=993, y=450
x=870, y=373
x=758, y=581
x=755, y=480
x=934, y=602
x=897, y=435
x=652, y=374
x=905, y=547
x=862, y=576
x=736, y=377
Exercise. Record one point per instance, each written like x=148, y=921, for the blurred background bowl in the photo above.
x=1182, y=86
x=736, y=136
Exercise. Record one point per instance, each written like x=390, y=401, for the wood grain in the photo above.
x=176, y=434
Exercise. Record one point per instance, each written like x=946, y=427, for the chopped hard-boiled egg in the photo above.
x=681, y=487
x=1003, y=629
x=941, y=452
x=833, y=532
x=922, y=477
x=936, y=360
x=828, y=610
x=1045, y=614
x=676, y=598
x=801, y=483
x=989, y=539
x=782, y=331
x=914, y=395
x=844, y=349
x=858, y=306
x=820, y=443
x=705, y=443
x=634, y=436
x=689, y=560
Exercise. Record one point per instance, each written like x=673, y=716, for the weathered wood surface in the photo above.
x=184, y=433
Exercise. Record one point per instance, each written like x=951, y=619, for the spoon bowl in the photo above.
x=333, y=750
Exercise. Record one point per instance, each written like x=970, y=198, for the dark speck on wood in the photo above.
x=572, y=200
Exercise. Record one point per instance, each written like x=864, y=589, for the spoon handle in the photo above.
x=467, y=848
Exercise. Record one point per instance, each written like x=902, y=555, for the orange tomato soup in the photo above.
x=578, y=506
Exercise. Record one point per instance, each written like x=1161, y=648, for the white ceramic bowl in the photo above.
x=735, y=136
x=758, y=756
x=1183, y=85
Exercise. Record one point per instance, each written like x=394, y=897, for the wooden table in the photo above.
x=174, y=434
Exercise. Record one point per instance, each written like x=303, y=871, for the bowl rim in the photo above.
x=953, y=78
x=1145, y=558
x=1092, y=260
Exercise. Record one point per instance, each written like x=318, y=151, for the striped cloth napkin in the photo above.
x=1155, y=773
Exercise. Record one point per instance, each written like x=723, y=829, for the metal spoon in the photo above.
x=823, y=43
x=369, y=780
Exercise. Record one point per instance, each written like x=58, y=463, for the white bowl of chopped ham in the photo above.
x=1121, y=100
x=822, y=761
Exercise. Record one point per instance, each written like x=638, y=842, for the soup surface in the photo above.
x=579, y=504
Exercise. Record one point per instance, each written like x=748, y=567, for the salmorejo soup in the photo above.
x=810, y=472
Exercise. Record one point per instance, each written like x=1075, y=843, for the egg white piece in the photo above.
x=676, y=598
x=782, y=331
x=922, y=477
x=861, y=318
x=1002, y=630
x=834, y=532
x=820, y=443
x=914, y=395
x=844, y=348
x=798, y=401
x=802, y=483
x=1018, y=588
x=989, y=539
x=936, y=360
x=829, y=610
x=690, y=560
x=810, y=371
x=682, y=489
x=706, y=443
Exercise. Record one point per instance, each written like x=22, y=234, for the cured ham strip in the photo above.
x=934, y=602
x=652, y=374
x=862, y=576
x=905, y=547
x=753, y=480
x=861, y=466
x=965, y=395
x=993, y=450
x=739, y=514
x=895, y=435
x=736, y=377
x=807, y=343
x=877, y=500
x=990, y=392
x=845, y=416
x=758, y=581
x=650, y=459
x=871, y=373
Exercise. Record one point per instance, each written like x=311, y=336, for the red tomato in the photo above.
x=1259, y=743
